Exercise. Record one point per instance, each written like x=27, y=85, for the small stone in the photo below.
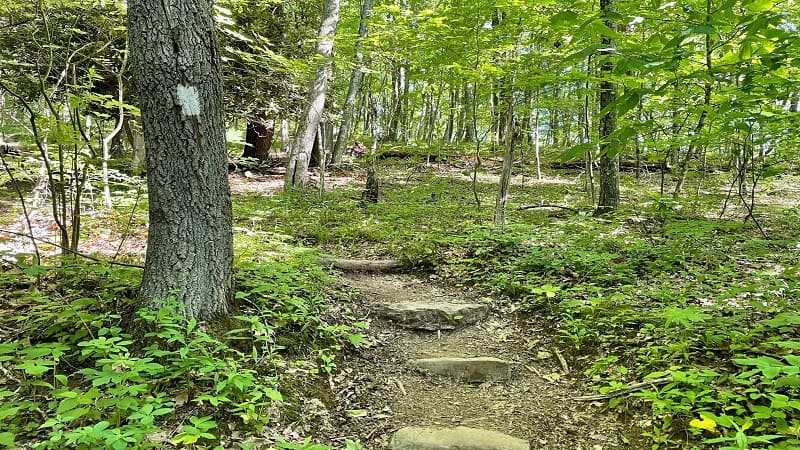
x=472, y=370
x=433, y=316
x=458, y=438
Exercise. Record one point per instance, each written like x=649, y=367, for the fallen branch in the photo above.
x=363, y=265
x=566, y=208
x=636, y=387
x=562, y=361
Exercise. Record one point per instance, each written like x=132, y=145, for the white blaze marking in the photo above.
x=187, y=98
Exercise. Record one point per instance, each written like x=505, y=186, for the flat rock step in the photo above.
x=433, y=316
x=459, y=438
x=473, y=370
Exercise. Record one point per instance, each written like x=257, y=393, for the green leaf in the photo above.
x=577, y=151
x=7, y=439
x=791, y=380
x=273, y=395
x=357, y=412
x=763, y=361
x=564, y=18
x=628, y=102
x=793, y=359
x=757, y=6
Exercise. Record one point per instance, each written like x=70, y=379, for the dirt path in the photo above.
x=381, y=390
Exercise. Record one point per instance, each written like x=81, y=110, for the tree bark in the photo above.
x=449, y=124
x=508, y=161
x=470, y=133
x=176, y=64
x=352, y=90
x=608, y=164
x=258, y=138
x=297, y=168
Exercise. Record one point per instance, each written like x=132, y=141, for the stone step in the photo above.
x=433, y=316
x=472, y=370
x=459, y=438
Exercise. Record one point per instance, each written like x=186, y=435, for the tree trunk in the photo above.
x=258, y=139
x=176, y=64
x=537, y=144
x=297, y=168
x=109, y=138
x=448, y=129
x=508, y=161
x=317, y=149
x=352, y=90
x=608, y=164
x=470, y=133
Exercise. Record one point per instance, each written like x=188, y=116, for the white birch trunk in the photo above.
x=355, y=84
x=300, y=153
x=110, y=136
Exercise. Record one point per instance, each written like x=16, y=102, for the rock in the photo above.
x=433, y=316
x=459, y=438
x=473, y=370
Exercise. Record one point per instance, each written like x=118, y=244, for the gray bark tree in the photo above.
x=177, y=68
x=300, y=152
x=355, y=84
x=508, y=161
x=608, y=165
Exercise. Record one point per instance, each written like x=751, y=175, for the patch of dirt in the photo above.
x=377, y=393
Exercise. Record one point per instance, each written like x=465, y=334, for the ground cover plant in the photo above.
x=85, y=368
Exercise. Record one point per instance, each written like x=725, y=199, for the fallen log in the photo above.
x=545, y=206
x=363, y=265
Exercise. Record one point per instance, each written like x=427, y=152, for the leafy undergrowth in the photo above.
x=704, y=303
x=660, y=292
x=81, y=368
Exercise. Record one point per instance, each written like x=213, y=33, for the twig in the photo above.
x=566, y=208
x=562, y=361
x=399, y=385
x=82, y=255
x=636, y=387
x=534, y=370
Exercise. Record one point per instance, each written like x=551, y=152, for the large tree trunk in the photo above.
x=297, y=168
x=258, y=138
x=608, y=164
x=352, y=90
x=176, y=63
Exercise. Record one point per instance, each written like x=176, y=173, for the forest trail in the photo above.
x=500, y=384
